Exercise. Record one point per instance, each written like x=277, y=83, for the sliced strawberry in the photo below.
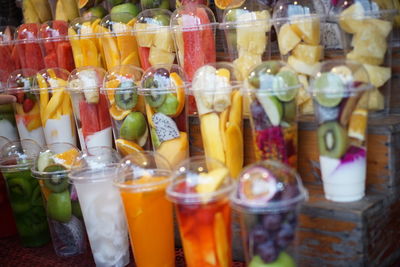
x=89, y=121
x=103, y=113
x=28, y=105
x=144, y=53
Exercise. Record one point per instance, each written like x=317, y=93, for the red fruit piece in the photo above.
x=60, y=28
x=28, y=105
x=20, y=97
x=207, y=37
x=50, y=60
x=271, y=144
x=64, y=56
x=144, y=53
x=89, y=121
x=33, y=56
x=104, y=115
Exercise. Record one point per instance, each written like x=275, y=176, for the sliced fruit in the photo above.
x=234, y=149
x=66, y=158
x=236, y=110
x=59, y=206
x=289, y=111
x=117, y=113
x=45, y=159
x=57, y=183
x=358, y=124
x=126, y=96
x=378, y=75
x=287, y=39
x=251, y=36
x=383, y=27
x=351, y=19
x=286, y=85
x=310, y=54
x=303, y=67
x=175, y=150
x=272, y=107
x=221, y=240
x=365, y=59
x=177, y=82
x=332, y=140
x=169, y=106
x=366, y=43
x=329, y=89
x=224, y=117
x=166, y=128
x=133, y=127
x=126, y=147
x=211, y=135
x=308, y=29
x=160, y=56
x=347, y=109
x=155, y=99
x=154, y=138
x=163, y=40
x=210, y=181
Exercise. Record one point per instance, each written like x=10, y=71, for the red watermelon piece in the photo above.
x=48, y=45
x=103, y=114
x=89, y=120
x=15, y=57
x=61, y=27
x=6, y=62
x=144, y=53
x=64, y=56
x=50, y=60
x=208, y=39
x=33, y=56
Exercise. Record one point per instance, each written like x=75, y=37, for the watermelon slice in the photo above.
x=30, y=53
x=103, y=114
x=15, y=57
x=207, y=37
x=50, y=60
x=33, y=56
x=144, y=57
x=6, y=62
x=61, y=27
x=48, y=45
x=65, y=58
x=89, y=121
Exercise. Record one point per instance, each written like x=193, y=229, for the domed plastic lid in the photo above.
x=51, y=79
x=84, y=27
x=192, y=18
x=247, y=13
x=122, y=77
x=362, y=9
x=21, y=80
x=164, y=79
x=6, y=34
x=86, y=79
x=28, y=32
x=54, y=30
x=118, y=23
x=18, y=155
x=294, y=10
x=155, y=18
x=199, y=180
x=268, y=186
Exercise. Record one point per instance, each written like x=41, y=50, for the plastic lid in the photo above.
x=21, y=80
x=27, y=32
x=6, y=34
x=118, y=23
x=163, y=79
x=51, y=79
x=18, y=155
x=246, y=13
x=297, y=10
x=123, y=77
x=153, y=20
x=86, y=78
x=199, y=180
x=84, y=27
x=54, y=30
x=192, y=18
x=360, y=9
x=268, y=186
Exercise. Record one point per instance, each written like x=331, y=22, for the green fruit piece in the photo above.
x=272, y=106
x=45, y=159
x=126, y=96
x=289, y=111
x=329, y=89
x=32, y=222
x=286, y=85
x=133, y=127
x=155, y=100
x=115, y=2
x=170, y=105
x=58, y=182
x=59, y=206
x=20, y=188
x=36, y=199
x=162, y=19
x=154, y=138
x=7, y=108
x=147, y=4
x=332, y=140
x=97, y=11
x=76, y=209
x=20, y=206
x=124, y=8
x=283, y=260
x=260, y=76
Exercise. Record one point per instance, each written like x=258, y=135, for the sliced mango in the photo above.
x=128, y=48
x=66, y=104
x=90, y=52
x=210, y=181
x=175, y=150
x=224, y=116
x=211, y=135
x=234, y=149
x=76, y=48
x=221, y=240
x=33, y=122
x=54, y=103
x=235, y=116
x=112, y=56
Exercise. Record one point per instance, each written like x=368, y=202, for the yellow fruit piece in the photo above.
x=246, y=61
x=369, y=59
x=149, y=114
x=287, y=39
x=358, y=124
x=66, y=104
x=112, y=52
x=42, y=9
x=221, y=240
x=234, y=149
x=34, y=122
x=89, y=52
x=110, y=85
x=66, y=158
x=210, y=181
x=235, y=115
x=128, y=49
x=310, y=54
x=376, y=100
x=179, y=46
x=307, y=107
x=224, y=117
x=351, y=19
x=250, y=36
x=308, y=29
x=368, y=41
x=29, y=12
x=383, y=27
x=76, y=47
x=144, y=34
x=303, y=67
x=378, y=76
x=175, y=150
x=126, y=147
x=159, y=56
x=180, y=92
x=117, y=113
x=224, y=73
x=54, y=103
x=163, y=39
x=211, y=135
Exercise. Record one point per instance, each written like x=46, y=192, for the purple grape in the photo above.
x=260, y=119
x=268, y=251
x=290, y=192
x=291, y=217
x=285, y=235
x=258, y=234
x=272, y=222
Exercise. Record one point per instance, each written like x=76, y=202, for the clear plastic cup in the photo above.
x=55, y=106
x=267, y=198
x=200, y=191
x=366, y=33
x=90, y=107
x=60, y=198
x=272, y=88
x=8, y=51
x=17, y=158
x=118, y=40
x=154, y=37
x=339, y=91
x=86, y=46
x=57, y=50
x=217, y=90
x=127, y=109
x=20, y=83
x=7, y=119
x=142, y=179
x=28, y=46
x=93, y=174
x=164, y=90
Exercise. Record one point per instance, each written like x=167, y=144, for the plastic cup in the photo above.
x=118, y=41
x=366, y=33
x=267, y=198
x=164, y=90
x=7, y=119
x=64, y=214
x=57, y=50
x=102, y=209
x=219, y=101
x=55, y=106
x=341, y=111
x=194, y=28
x=142, y=179
x=8, y=51
x=24, y=192
x=90, y=107
x=272, y=89
x=200, y=189
x=20, y=83
x=28, y=46
x=148, y=4
x=86, y=46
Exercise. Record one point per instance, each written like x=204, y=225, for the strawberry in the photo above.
x=20, y=97
x=28, y=105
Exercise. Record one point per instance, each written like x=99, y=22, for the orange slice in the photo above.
x=112, y=84
x=180, y=92
x=150, y=113
x=117, y=113
x=82, y=3
x=66, y=158
x=358, y=124
x=126, y=147
x=223, y=4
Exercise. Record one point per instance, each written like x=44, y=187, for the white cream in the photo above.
x=101, y=138
x=8, y=130
x=36, y=134
x=60, y=130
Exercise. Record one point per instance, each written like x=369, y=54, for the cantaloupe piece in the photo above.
x=211, y=135
x=175, y=150
x=234, y=149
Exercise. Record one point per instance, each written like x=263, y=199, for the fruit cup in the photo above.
x=26, y=110
x=154, y=37
x=102, y=209
x=219, y=100
x=267, y=198
x=142, y=179
x=90, y=107
x=164, y=87
x=338, y=91
x=57, y=50
x=28, y=46
x=7, y=119
x=60, y=198
x=179, y=3
x=149, y=4
x=86, y=46
x=366, y=31
x=118, y=41
x=272, y=88
x=194, y=30
x=24, y=194
x=200, y=189
x=8, y=51
x=55, y=106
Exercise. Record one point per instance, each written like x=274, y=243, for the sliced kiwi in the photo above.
x=126, y=96
x=155, y=100
x=45, y=159
x=57, y=183
x=332, y=140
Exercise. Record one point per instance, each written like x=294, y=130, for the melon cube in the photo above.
x=309, y=53
x=163, y=40
x=303, y=67
x=144, y=34
x=378, y=76
x=287, y=39
x=351, y=19
x=308, y=28
x=160, y=56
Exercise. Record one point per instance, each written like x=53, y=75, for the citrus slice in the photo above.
x=126, y=147
x=329, y=89
x=66, y=158
x=223, y=4
x=180, y=92
x=286, y=85
x=117, y=113
x=358, y=124
x=112, y=84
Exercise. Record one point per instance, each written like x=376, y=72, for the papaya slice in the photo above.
x=175, y=150
x=234, y=149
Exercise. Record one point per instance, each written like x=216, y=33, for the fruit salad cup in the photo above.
x=26, y=110
x=366, y=31
x=86, y=46
x=8, y=51
x=164, y=89
x=118, y=41
x=272, y=88
x=200, y=190
x=142, y=179
x=300, y=26
x=102, y=209
x=90, y=107
x=26, y=200
x=63, y=211
x=220, y=104
x=154, y=37
x=28, y=46
x=7, y=119
x=57, y=50
x=55, y=106
x=267, y=198
x=194, y=30
x=338, y=91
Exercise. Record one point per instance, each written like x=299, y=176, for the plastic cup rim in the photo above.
x=80, y=179
x=120, y=182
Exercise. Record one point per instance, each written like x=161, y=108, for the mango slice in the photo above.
x=235, y=116
x=224, y=116
x=54, y=103
x=221, y=240
x=89, y=51
x=175, y=150
x=211, y=134
x=112, y=56
x=210, y=181
x=234, y=149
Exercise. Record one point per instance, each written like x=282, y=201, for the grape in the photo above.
x=272, y=221
x=259, y=116
x=268, y=251
x=290, y=192
x=285, y=235
x=258, y=234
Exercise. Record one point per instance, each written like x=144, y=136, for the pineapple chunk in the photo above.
x=351, y=19
x=303, y=67
x=144, y=34
x=246, y=61
x=163, y=40
x=370, y=45
x=307, y=28
x=376, y=101
x=252, y=36
x=384, y=27
x=309, y=53
x=303, y=96
x=378, y=76
x=159, y=56
x=365, y=59
x=287, y=39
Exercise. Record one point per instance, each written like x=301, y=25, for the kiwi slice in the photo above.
x=57, y=183
x=59, y=206
x=155, y=100
x=329, y=89
x=126, y=96
x=332, y=140
x=45, y=159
